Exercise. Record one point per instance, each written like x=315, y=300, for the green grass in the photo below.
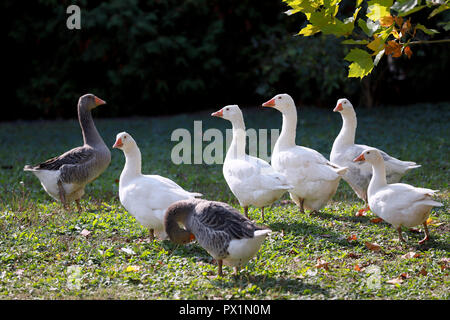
x=40, y=242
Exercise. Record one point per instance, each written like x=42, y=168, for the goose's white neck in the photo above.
x=347, y=134
x=132, y=168
x=378, y=179
x=237, y=146
x=286, y=139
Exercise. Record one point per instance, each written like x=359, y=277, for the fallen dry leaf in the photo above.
x=411, y=255
x=19, y=272
x=352, y=255
x=376, y=220
x=85, y=232
x=132, y=268
x=322, y=264
x=404, y=275
x=395, y=281
x=444, y=262
x=352, y=238
x=423, y=272
x=372, y=246
x=357, y=268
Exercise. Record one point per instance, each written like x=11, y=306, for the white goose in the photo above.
x=344, y=150
x=400, y=204
x=315, y=179
x=252, y=180
x=64, y=177
x=146, y=197
x=220, y=229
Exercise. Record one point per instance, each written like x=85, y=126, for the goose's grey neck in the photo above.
x=177, y=213
x=90, y=134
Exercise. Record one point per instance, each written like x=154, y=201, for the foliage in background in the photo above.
x=172, y=56
x=382, y=30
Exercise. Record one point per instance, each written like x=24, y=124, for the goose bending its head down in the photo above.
x=314, y=178
x=252, y=180
x=399, y=204
x=344, y=150
x=64, y=177
x=220, y=229
x=146, y=197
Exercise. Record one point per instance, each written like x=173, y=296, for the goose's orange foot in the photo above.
x=424, y=240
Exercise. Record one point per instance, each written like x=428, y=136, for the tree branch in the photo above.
x=428, y=41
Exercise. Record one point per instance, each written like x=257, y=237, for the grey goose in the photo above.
x=64, y=177
x=219, y=228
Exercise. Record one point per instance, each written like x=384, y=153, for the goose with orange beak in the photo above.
x=344, y=150
x=146, y=197
x=314, y=178
x=399, y=204
x=64, y=177
x=252, y=180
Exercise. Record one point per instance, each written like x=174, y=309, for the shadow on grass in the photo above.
x=265, y=283
x=304, y=229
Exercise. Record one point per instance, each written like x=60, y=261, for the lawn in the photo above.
x=103, y=253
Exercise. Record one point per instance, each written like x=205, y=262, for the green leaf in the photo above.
x=439, y=9
x=445, y=25
x=352, y=41
x=404, y=8
x=378, y=9
x=362, y=63
x=426, y=30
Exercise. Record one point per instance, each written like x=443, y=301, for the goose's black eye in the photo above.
x=368, y=152
x=227, y=109
x=125, y=137
x=279, y=97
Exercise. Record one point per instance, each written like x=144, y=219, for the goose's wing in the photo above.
x=72, y=157
x=400, y=196
x=218, y=217
x=308, y=163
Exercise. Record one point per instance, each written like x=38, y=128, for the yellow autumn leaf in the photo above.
x=378, y=9
x=396, y=34
x=309, y=30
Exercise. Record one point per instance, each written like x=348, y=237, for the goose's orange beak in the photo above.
x=270, y=103
x=118, y=143
x=99, y=101
x=338, y=108
x=217, y=113
x=359, y=158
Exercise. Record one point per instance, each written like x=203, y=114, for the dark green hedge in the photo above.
x=167, y=56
